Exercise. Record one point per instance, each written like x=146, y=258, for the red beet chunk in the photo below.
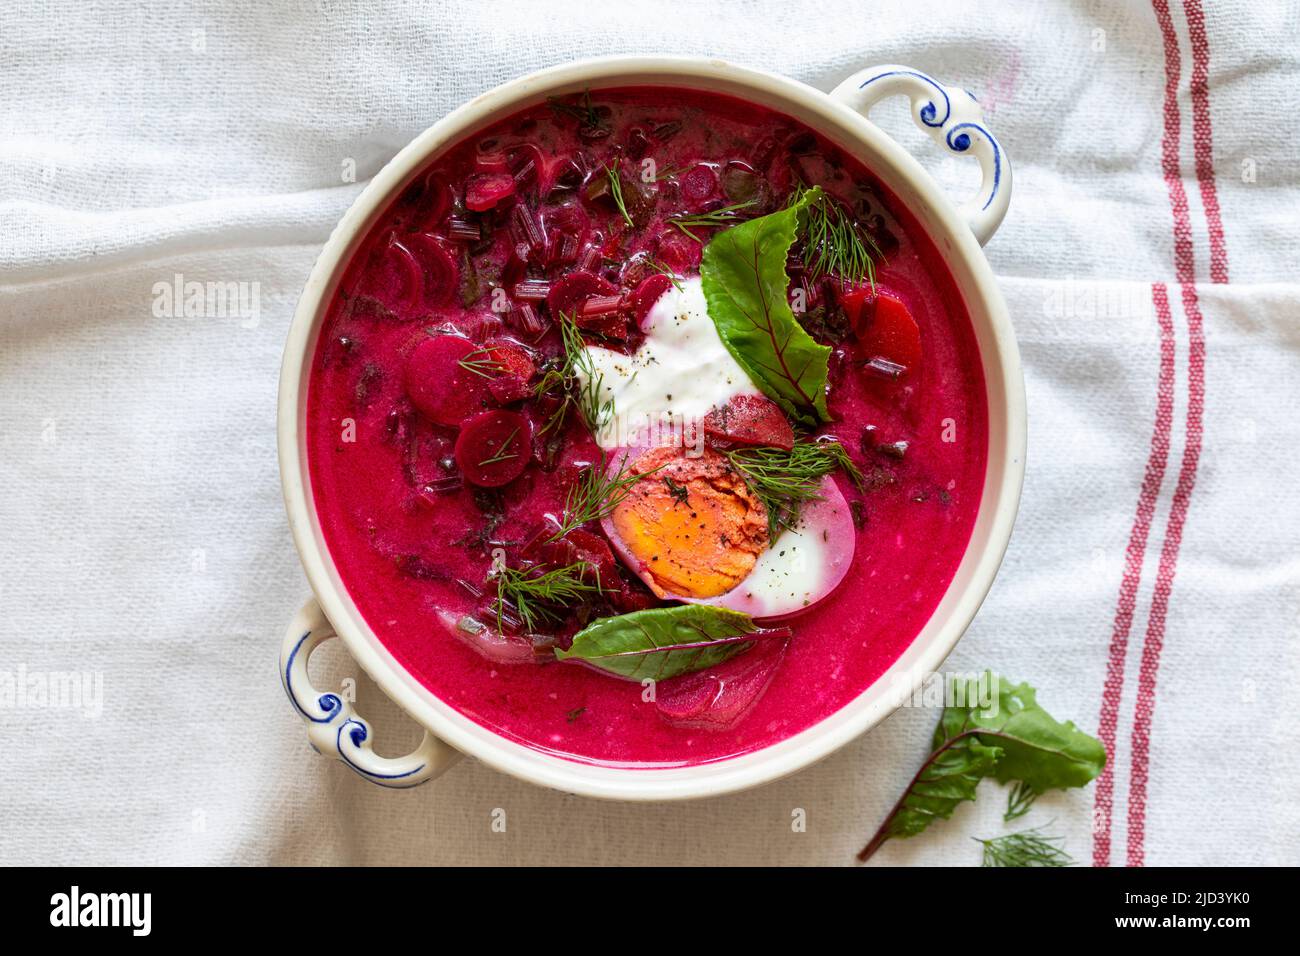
x=720, y=697
x=511, y=370
x=613, y=326
x=587, y=547
x=646, y=294
x=698, y=184
x=574, y=289
x=494, y=448
x=439, y=272
x=751, y=420
x=884, y=326
x=485, y=190
x=441, y=381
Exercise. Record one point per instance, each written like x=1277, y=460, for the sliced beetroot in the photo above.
x=439, y=272
x=494, y=448
x=751, y=420
x=720, y=697
x=646, y=294
x=680, y=254
x=392, y=277
x=698, y=183
x=887, y=330
x=568, y=293
x=485, y=190
x=442, y=382
x=614, y=326
x=595, y=551
x=511, y=371
x=434, y=203
x=578, y=545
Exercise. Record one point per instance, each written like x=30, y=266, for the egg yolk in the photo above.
x=691, y=522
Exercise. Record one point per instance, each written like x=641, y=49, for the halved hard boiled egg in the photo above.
x=693, y=531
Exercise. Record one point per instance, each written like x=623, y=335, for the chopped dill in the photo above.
x=538, y=596
x=786, y=480
x=501, y=454
x=679, y=492
x=727, y=215
x=663, y=270
x=616, y=192
x=596, y=494
x=585, y=112
x=834, y=244
x=480, y=363
x=579, y=382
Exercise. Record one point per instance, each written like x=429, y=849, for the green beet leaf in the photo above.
x=746, y=287
x=665, y=642
x=1013, y=739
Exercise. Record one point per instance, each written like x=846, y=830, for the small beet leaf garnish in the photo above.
x=746, y=287
x=994, y=729
x=665, y=642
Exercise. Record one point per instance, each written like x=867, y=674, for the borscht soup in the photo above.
x=646, y=427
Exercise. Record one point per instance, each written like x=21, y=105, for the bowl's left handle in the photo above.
x=953, y=119
x=334, y=728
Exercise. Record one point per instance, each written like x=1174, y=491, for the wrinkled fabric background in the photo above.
x=143, y=538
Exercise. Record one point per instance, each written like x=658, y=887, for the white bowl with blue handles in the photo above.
x=953, y=119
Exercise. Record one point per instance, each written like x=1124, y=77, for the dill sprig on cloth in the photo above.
x=1026, y=848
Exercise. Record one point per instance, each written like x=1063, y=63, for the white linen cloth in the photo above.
x=144, y=540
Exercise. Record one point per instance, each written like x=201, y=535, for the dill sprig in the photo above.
x=717, y=217
x=1026, y=848
x=596, y=494
x=536, y=596
x=586, y=113
x=501, y=454
x=663, y=270
x=616, y=191
x=786, y=480
x=580, y=384
x=834, y=244
x=1019, y=800
x=480, y=363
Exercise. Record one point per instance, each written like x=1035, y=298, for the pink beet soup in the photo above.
x=476, y=247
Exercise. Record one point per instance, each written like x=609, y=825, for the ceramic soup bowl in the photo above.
x=952, y=118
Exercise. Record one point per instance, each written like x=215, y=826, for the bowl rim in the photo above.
x=1003, y=478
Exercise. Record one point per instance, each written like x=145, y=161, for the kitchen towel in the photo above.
x=1152, y=587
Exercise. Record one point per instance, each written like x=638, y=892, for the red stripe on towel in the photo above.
x=1157, y=460
x=1203, y=139
x=1155, y=637
x=1153, y=645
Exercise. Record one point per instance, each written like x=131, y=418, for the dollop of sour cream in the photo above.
x=677, y=375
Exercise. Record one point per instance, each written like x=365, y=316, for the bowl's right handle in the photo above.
x=953, y=118
x=334, y=728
